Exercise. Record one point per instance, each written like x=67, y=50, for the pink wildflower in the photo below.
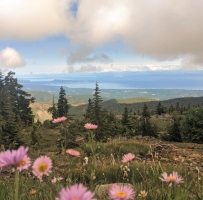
x=128, y=157
x=73, y=152
x=42, y=166
x=75, y=192
x=13, y=157
x=59, y=119
x=90, y=126
x=172, y=178
x=24, y=164
x=121, y=192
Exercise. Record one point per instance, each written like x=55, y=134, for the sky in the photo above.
x=73, y=36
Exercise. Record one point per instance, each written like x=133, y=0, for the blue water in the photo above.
x=191, y=80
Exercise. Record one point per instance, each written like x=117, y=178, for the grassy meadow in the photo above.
x=104, y=166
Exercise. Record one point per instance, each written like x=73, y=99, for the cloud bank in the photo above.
x=164, y=30
x=10, y=58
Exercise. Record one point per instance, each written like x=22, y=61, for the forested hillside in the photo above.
x=115, y=106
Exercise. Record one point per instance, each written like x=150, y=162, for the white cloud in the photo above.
x=164, y=30
x=10, y=58
x=30, y=20
x=80, y=56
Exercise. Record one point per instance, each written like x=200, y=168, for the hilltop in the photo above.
x=77, y=108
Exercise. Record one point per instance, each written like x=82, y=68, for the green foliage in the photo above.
x=35, y=136
x=146, y=128
x=160, y=109
x=48, y=124
x=53, y=110
x=118, y=149
x=96, y=115
x=62, y=106
x=68, y=136
x=15, y=112
x=192, y=125
x=174, y=129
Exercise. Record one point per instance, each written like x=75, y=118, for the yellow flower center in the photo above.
x=22, y=163
x=171, y=178
x=75, y=199
x=121, y=194
x=42, y=167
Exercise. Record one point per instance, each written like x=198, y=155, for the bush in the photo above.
x=192, y=125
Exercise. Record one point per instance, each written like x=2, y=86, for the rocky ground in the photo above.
x=187, y=154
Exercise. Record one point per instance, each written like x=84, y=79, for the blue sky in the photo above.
x=69, y=36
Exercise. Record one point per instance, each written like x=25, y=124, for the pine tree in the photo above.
x=62, y=106
x=171, y=109
x=19, y=99
x=53, y=110
x=96, y=106
x=96, y=115
x=127, y=122
x=89, y=110
x=10, y=128
x=174, y=130
x=146, y=127
x=160, y=109
x=14, y=110
x=35, y=136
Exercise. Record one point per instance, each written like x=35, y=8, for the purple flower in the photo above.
x=13, y=157
x=121, y=192
x=77, y=191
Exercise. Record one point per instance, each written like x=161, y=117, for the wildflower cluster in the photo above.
x=19, y=160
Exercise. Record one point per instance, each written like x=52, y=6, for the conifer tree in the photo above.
x=171, y=109
x=126, y=118
x=53, y=110
x=89, y=110
x=19, y=99
x=160, y=109
x=127, y=122
x=174, y=130
x=96, y=106
x=146, y=127
x=14, y=110
x=62, y=106
x=35, y=136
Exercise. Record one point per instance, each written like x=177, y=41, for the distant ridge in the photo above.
x=118, y=108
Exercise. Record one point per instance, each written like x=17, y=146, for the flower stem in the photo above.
x=16, y=184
